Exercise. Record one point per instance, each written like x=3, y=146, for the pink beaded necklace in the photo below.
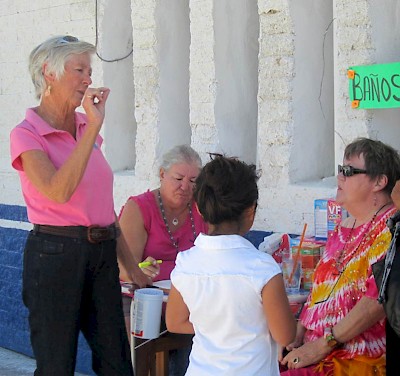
x=342, y=254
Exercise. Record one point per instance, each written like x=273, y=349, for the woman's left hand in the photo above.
x=94, y=102
x=307, y=354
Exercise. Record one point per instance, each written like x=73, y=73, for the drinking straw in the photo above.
x=296, y=258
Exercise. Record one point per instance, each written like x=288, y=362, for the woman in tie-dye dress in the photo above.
x=341, y=328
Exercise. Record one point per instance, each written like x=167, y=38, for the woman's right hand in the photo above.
x=307, y=354
x=153, y=270
x=138, y=278
x=94, y=102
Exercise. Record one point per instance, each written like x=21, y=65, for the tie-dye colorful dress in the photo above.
x=341, y=279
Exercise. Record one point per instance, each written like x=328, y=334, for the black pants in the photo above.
x=392, y=351
x=71, y=285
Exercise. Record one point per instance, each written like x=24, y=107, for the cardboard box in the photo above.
x=307, y=248
x=327, y=214
x=310, y=254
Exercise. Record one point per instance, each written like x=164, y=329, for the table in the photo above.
x=151, y=357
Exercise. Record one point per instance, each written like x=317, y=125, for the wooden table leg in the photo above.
x=143, y=357
x=162, y=359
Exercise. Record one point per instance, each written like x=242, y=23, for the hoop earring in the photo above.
x=48, y=91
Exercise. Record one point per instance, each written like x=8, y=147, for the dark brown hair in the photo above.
x=225, y=188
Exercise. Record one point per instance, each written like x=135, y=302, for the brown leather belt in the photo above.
x=94, y=234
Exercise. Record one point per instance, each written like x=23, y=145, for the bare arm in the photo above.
x=132, y=226
x=281, y=322
x=365, y=314
x=135, y=236
x=129, y=270
x=177, y=314
x=298, y=341
x=60, y=184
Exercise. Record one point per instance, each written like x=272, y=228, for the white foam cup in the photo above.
x=146, y=309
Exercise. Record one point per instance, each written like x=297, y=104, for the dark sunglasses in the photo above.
x=214, y=155
x=350, y=170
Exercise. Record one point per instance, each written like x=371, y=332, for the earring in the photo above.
x=48, y=91
x=375, y=200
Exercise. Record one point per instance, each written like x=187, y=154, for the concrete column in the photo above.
x=202, y=86
x=276, y=71
x=352, y=43
x=146, y=72
x=114, y=45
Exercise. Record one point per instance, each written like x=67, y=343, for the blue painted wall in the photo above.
x=14, y=328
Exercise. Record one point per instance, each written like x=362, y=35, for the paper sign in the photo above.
x=374, y=86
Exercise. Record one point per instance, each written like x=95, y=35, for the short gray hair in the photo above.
x=180, y=154
x=55, y=52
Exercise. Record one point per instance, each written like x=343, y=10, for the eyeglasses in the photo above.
x=350, y=170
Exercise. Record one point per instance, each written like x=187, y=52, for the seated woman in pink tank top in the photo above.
x=158, y=224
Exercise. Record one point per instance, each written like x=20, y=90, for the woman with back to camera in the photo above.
x=224, y=290
x=70, y=275
x=341, y=329
x=159, y=224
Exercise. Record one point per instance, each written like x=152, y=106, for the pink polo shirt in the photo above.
x=92, y=202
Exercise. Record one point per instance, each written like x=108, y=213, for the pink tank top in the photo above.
x=159, y=244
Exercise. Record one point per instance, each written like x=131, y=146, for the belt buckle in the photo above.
x=96, y=234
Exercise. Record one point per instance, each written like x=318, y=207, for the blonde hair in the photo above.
x=55, y=52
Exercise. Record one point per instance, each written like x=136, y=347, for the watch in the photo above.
x=330, y=339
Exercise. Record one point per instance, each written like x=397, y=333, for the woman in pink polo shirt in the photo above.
x=71, y=275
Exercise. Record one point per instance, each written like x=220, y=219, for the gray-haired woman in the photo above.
x=159, y=224
x=70, y=276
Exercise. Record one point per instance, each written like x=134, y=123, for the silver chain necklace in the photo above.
x=173, y=241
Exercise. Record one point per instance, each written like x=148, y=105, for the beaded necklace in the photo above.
x=173, y=241
x=342, y=255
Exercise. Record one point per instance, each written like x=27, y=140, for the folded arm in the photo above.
x=365, y=314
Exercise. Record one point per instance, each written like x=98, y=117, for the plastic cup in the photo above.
x=146, y=310
x=292, y=285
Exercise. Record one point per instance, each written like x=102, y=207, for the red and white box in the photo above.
x=327, y=214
